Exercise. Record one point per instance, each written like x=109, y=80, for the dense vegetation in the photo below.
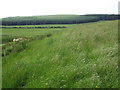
x=105, y=16
x=33, y=27
x=79, y=56
x=56, y=19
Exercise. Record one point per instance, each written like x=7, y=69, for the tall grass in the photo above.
x=82, y=56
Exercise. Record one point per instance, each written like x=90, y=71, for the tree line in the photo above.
x=32, y=27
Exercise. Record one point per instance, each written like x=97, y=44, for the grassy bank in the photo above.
x=81, y=56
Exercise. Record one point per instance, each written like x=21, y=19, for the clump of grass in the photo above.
x=8, y=38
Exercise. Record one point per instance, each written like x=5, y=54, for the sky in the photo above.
x=10, y=8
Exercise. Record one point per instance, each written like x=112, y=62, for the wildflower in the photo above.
x=46, y=83
x=97, y=87
x=98, y=76
x=94, y=64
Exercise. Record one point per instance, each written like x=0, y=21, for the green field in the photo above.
x=48, y=19
x=57, y=19
x=8, y=34
x=78, y=56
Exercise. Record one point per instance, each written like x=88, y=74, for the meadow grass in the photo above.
x=81, y=56
x=9, y=34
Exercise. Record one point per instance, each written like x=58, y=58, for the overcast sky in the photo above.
x=50, y=7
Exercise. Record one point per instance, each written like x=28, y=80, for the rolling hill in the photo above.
x=57, y=19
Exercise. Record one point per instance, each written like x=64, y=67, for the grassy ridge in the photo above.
x=48, y=19
x=81, y=56
x=57, y=19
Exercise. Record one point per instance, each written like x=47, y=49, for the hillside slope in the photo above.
x=57, y=19
x=82, y=56
x=47, y=19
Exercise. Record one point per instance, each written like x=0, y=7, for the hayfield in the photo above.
x=79, y=56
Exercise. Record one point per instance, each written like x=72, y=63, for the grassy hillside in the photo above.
x=79, y=56
x=48, y=19
x=57, y=19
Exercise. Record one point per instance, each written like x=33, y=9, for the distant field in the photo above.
x=8, y=34
x=57, y=19
x=27, y=32
x=79, y=56
x=48, y=19
x=49, y=25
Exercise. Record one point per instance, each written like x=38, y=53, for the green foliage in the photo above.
x=80, y=56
